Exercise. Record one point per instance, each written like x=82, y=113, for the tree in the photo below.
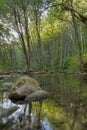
x=37, y=8
x=20, y=20
x=71, y=6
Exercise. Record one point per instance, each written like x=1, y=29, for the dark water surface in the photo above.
x=66, y=108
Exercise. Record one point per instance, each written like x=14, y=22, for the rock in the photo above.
x=38, y=95
x=7, y=84
x=26, y=89
x=5, y=89
x=23, y=87
x=8, y=111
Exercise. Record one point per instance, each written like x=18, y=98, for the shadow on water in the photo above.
x=66, y=109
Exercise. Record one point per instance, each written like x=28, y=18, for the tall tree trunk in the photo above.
x=54, y=50
x=60, y=51
x=26, y=34
x=23, y=32
x=37, y=22
x=77, y=39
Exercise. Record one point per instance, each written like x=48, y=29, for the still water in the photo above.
x=65, y=109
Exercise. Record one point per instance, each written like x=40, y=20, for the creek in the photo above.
x=65, y=109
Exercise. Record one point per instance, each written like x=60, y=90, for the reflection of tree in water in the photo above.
x=69, y=97
x=25, y=119
x=32, y=120
x=74, y=101
x=75, y=106
x=20, y=120
x=65, y=110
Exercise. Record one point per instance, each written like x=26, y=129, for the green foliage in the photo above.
x=4, y=32
x=50, y=31
x=74, y=64
x=51, y=20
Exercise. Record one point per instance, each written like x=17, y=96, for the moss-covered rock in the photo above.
x=24, y=87
x=38, y=95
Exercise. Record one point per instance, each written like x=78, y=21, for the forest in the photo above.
x=43, y=35
x=43, y=64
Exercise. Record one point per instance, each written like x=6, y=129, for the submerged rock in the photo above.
x=26, y=86
x=7, y=84
x=8, y=111
x=5, y=89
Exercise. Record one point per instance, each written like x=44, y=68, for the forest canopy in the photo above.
x=43, y=35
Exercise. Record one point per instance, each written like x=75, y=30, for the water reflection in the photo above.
x=65, y=110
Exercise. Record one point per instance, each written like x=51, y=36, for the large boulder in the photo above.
x=24, y=87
